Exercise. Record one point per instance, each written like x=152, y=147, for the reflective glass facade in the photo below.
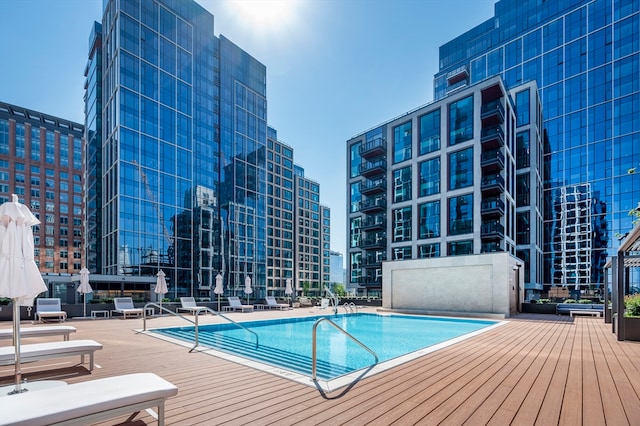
x=585, y=58
x=182, y=180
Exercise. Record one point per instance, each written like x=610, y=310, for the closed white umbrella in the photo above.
x=218, y=289
x=20, y=278
x=84, y=288
x=288, y=289
x=161, y=285
x=247, y=287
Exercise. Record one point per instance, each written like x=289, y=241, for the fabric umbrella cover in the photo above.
x=20, y=278
x=161, y=285
x=288, y=289
x=247, y=287
x=218, y=289
x=84, y=288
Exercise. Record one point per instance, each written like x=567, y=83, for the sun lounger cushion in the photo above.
x=62, y=330
x=49, y=308
x=88, y=402
x=124, y=306
x=40, y=351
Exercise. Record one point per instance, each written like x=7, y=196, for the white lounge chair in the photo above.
x=60, y=330
x=189, y=305
x=49, y=308
x=324, y=303
x=89, y=402
x=125, y=307
x=273, y=304
x=236, y=305
x=49, y=350
x=304, y=301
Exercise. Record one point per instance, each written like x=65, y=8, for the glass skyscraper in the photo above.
x=176, y=152
x=585, y=58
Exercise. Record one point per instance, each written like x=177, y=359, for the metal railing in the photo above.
x=196, y=315
x=313, y=340
x=350, y=308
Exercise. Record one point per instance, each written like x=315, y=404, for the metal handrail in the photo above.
x=350, y=307
x=313, y=340
x=196, y=322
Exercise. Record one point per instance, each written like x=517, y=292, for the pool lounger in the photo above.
x=61, y=330
x=40, y=351
x=88, y=402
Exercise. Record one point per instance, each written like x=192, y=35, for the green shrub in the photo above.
x=570, y=301
x=632, y=305
x=107, y=300
x=545, y=300
x=584, y=301
x=4, y=300
x=534, y=301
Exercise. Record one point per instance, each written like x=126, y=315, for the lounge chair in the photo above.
x=49, y=350
x=89, y=402
x=273, y=304
x=61, y=330
x=236, y=305
x=49, y=308
x=189, y=305
x=304, y=301
x=324, y=303
x=124, y=306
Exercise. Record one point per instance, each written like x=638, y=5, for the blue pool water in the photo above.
x=287, y=343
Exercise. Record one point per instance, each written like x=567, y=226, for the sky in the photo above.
x=335, y=68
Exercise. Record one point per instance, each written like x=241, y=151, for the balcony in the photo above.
x=492, y=138
x=371, y=262
x=371, y=223
x=492, y=161
x=492, y=230
x=492, y=113
x=493, y=184
x=370, y=169
x=491, y=247
x=373, y=148
x=492, y=207
x=373, y=205
x=374, y=241
x=369, y=187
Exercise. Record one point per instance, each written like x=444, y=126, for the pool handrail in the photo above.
x=195, y=323
x=345, y=332
x=350, y=308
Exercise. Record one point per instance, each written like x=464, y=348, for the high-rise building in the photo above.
x=585, y=58
x=459, y=176
x=41, y=162
x=177, y=136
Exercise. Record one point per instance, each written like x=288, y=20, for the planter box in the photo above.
x=539, y=308
x=632, y=329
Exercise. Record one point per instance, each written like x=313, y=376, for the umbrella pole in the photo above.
x=16, y=346
x=84, y=305
x=218, y=303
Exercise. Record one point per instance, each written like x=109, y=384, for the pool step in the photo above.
x=266, y=354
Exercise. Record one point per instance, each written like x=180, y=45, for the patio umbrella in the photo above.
x=20, y=279
x=161, y=285
x=84, y=288
x=288, y=289
x=218, y=289
x=247, y=287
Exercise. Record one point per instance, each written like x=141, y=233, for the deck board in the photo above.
x=535, y=369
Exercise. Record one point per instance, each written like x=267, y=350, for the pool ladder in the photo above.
x=337, y=327
x=350, y=308
x=195, y=323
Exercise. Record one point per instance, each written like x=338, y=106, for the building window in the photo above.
x=522, y=190
x=522, y=150
x=355, y=159
x=429, y=219
x=402, y=253
x=458, y=248
x=430, y=132
x=522, y=108
x=356, y=198
x=355, y=232
x=461, y=169
x=402, y=142
x=461, y=121
x=402, y=185
x=461, y=215
x=429, y=250
x=402, y=224
x=430, y=177
x=523, y=230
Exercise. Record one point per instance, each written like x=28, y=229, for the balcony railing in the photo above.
x=492, y=160
x=369, y=169
x=492, y=230
x=368, y=187
x=375, y=204
x=492, y=206
x=373, y=148
x=492, y=137
x=492, y=184
x=492, y=112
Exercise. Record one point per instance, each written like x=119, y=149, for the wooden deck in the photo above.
x=536, y=369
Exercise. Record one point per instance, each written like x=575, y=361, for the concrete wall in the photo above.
x=461, y=285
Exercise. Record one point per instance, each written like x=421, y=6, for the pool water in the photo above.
x=287, y=343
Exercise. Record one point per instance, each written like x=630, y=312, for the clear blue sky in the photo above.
x=335, y=68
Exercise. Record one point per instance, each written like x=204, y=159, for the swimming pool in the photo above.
x=287, y=343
